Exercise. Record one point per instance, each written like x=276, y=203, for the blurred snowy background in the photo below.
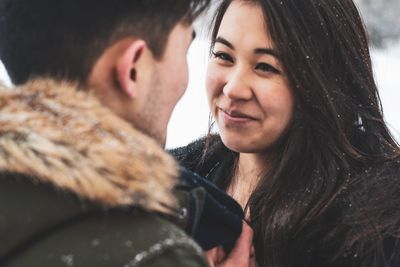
x=382, y=18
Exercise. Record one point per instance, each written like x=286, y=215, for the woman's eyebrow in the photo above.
x=225, y=42
x=267, y=51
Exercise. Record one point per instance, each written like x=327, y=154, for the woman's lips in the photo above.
x=235, y=117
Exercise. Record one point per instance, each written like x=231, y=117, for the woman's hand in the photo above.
x=242, y=255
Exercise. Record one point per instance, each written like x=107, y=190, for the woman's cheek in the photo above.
x=213, y=84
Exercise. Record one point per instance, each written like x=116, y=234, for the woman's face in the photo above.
x=247, y=88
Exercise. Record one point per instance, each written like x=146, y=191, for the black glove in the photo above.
x=214, y=218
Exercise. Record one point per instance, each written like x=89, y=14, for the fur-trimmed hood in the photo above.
x=63, y=136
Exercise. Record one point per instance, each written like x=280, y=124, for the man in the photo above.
x=83, y=178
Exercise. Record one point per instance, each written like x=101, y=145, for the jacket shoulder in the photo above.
x=127, y=237
x=190, y=154
x=202, y=155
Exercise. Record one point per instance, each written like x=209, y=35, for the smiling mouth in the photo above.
x=235, y=116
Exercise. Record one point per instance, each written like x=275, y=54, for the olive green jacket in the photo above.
x=81, y=187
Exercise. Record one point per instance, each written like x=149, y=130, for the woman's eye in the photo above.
x=266, y=68
x=222, y=56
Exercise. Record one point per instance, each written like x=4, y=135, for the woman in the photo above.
x=302, y=143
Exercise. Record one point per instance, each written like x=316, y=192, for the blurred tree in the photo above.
x=382, y=18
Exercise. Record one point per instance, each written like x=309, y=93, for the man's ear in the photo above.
x=126, y=67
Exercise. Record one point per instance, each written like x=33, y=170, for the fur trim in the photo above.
x=64, y=136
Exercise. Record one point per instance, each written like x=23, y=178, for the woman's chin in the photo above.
x=238, y=144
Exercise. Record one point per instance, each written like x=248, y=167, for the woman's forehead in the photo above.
x=244, y=22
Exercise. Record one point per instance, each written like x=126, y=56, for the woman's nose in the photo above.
x=236, y=87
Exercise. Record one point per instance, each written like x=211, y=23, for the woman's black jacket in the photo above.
x=217, y=163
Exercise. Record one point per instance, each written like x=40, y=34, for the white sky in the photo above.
x=386, y=65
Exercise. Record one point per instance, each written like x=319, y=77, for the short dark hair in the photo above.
x=64, y=38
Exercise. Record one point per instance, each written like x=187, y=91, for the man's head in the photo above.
x=131, y=52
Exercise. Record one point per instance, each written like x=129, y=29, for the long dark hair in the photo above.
x=329, y=197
